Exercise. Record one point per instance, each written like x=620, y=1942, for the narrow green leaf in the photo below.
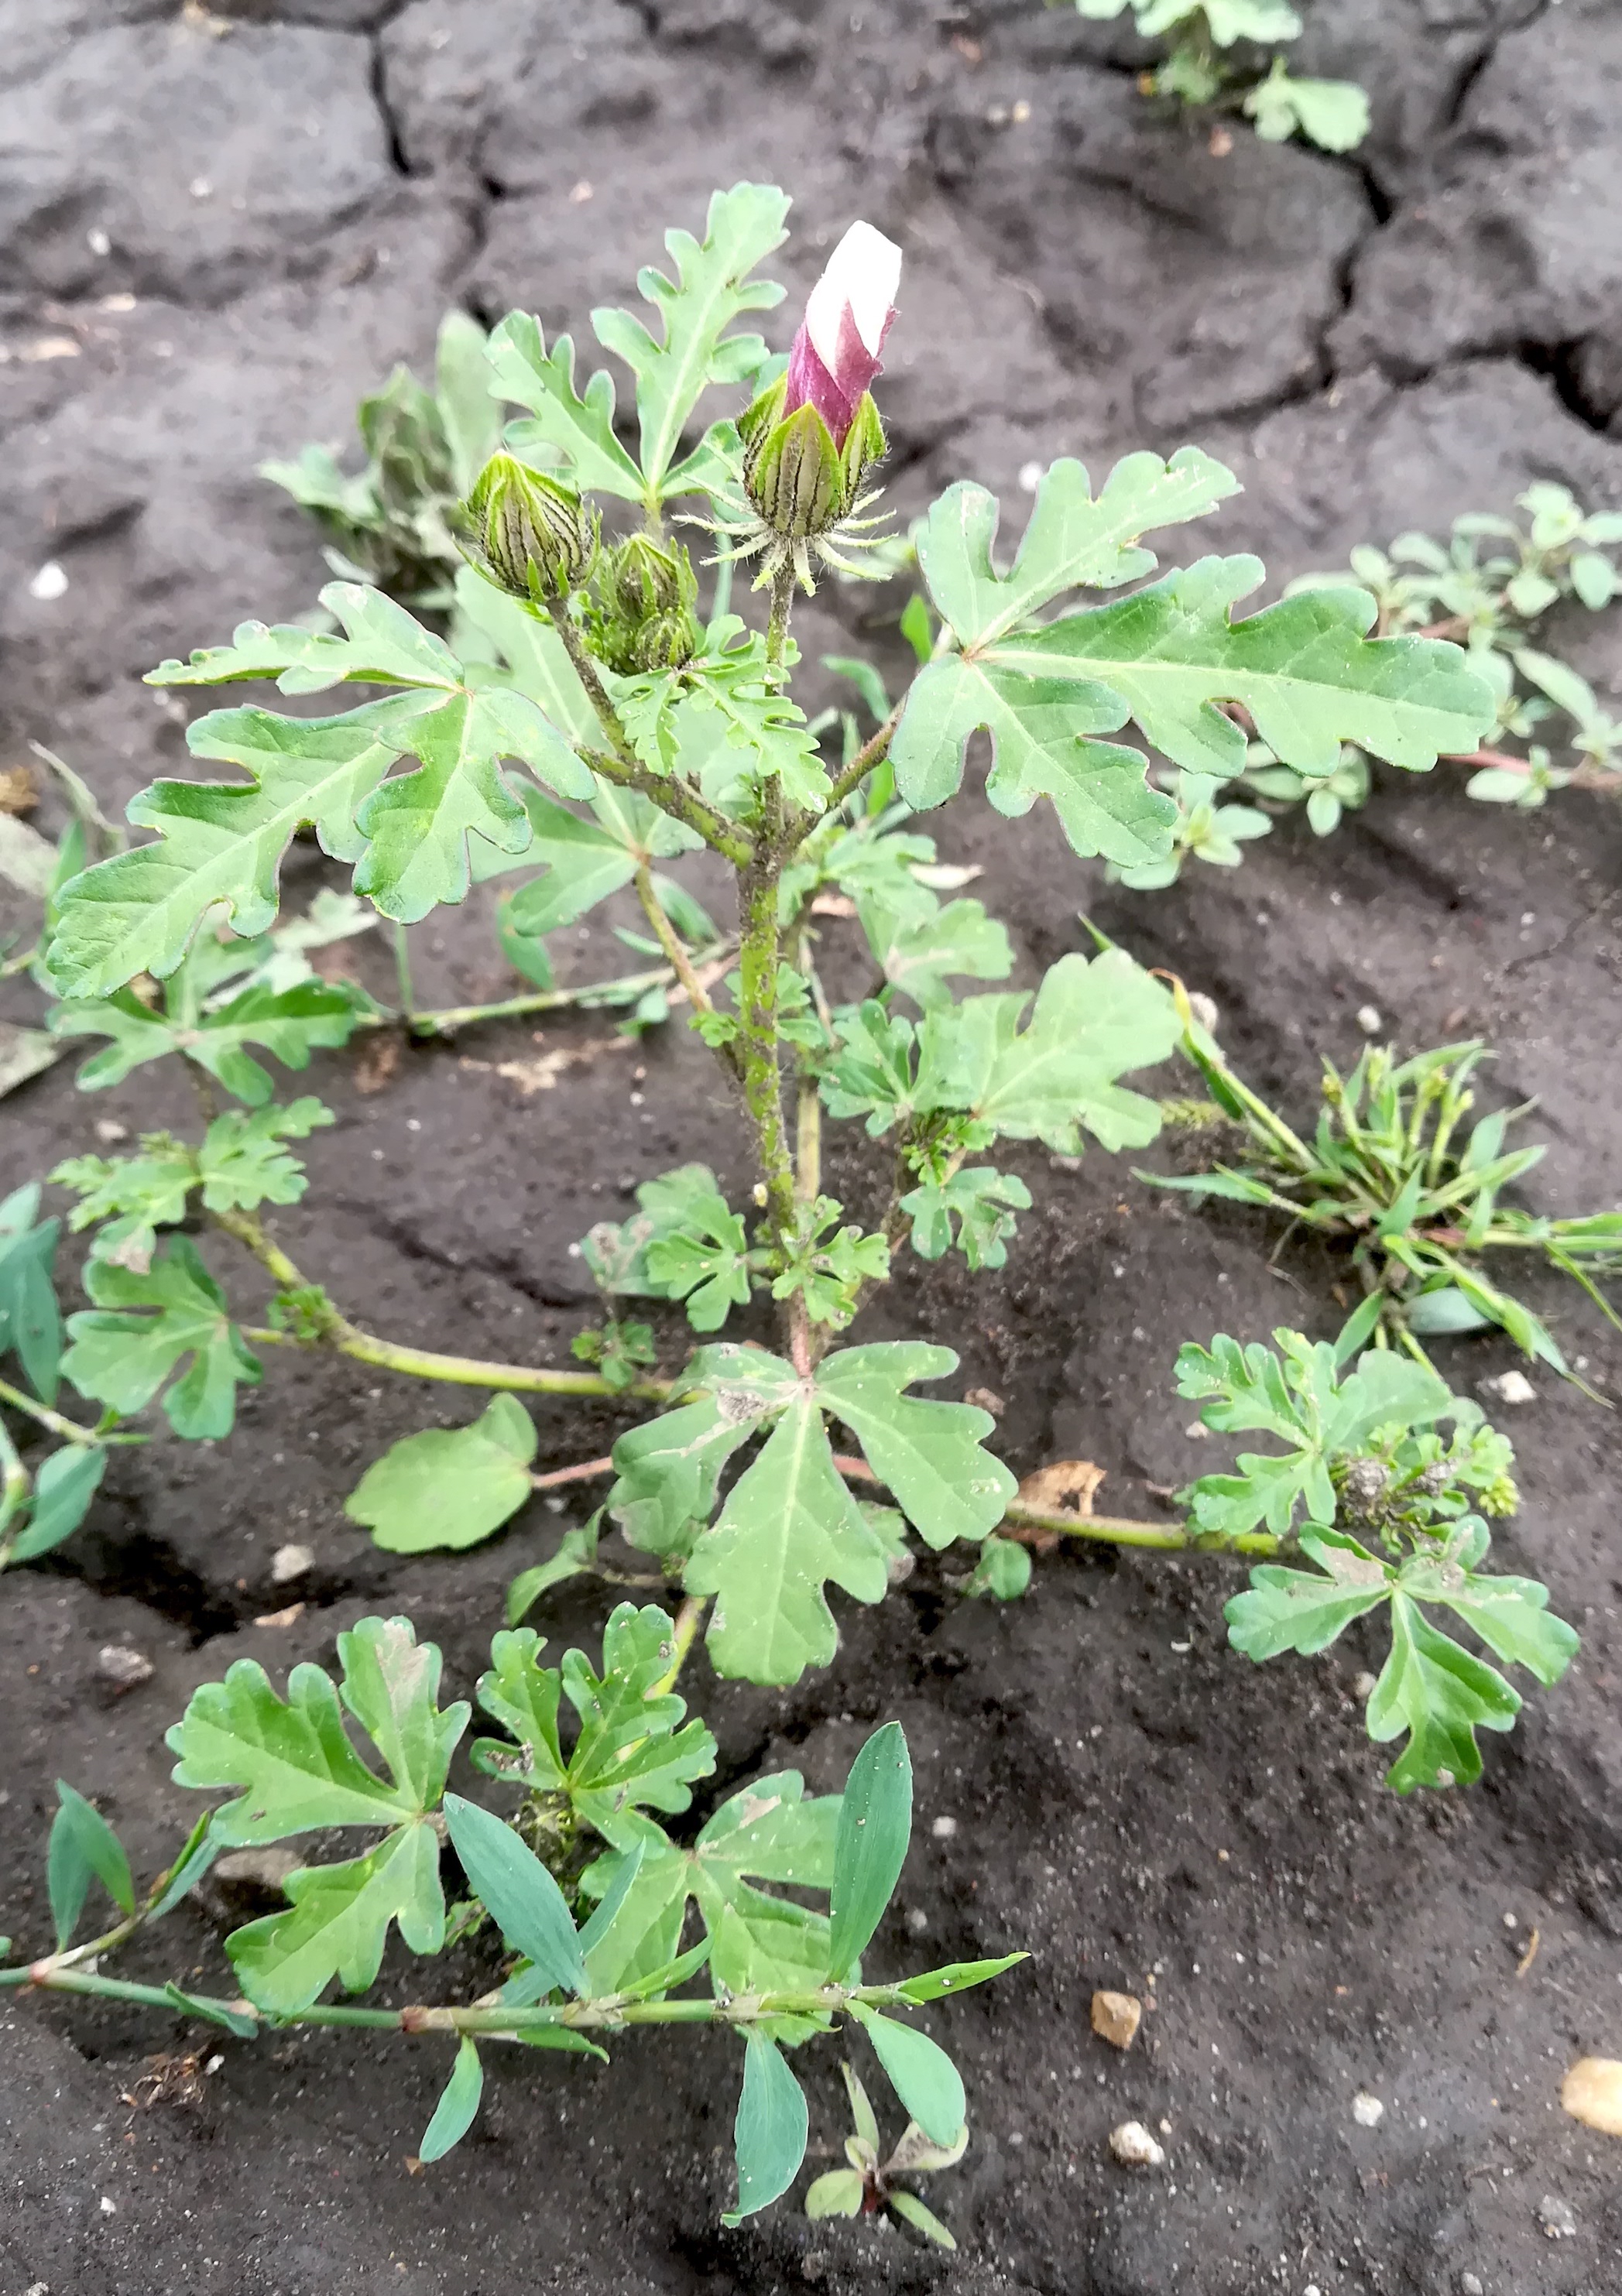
x=83, y=1847
x=921, y=2072
x=30, y=1321
x=770, y=2131
x=517, y=1893
x=957, y=1977
x=922, y=2219
x=64, y=1485
x=875, y=1826
x=458, y=2103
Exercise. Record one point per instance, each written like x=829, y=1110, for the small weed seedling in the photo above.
x=588, y=716
x=779, y=1972
x=1198, y=71
x=869, y=2182
x=1489, y=585
x=1395, y=1169
x=390, y=523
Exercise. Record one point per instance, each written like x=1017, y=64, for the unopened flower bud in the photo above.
x=810, y=439
x=529, y=534
x=643, y=612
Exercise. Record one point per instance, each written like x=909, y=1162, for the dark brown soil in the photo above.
x=1376, y=345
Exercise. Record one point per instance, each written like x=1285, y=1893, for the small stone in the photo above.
x=1367, y=2111
x=986, y=1398
x=110, y=2207
x=1116, y=2018
x=122, y=1669
x=1031, y=475
x=1591, y=2093
x=287, y=1617
x=1363, y=1686
x=1556, y=2218
x=1510, y=1386
x=943, y=1828
x=290, y=1563
x=917, y=1920
x=1369, y=1019
x=110, y=1131
x=1134, y=2147
x=49, y=584
x=1204, y=1009
x=1469, y=2285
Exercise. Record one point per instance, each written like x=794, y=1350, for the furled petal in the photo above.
x=836, y=352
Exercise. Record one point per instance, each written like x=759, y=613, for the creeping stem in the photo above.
x=609, y=2014
x=330, y=1328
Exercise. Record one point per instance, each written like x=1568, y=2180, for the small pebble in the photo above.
x=290, y=1563
x=943, y=1828
x=1031, y=476
x=1367, y=2111
x=986, y=1398
x=1369, y=1019
x=1363, y=1686
x=917, y=1920
x=122, y=1669
x=1510, y=1386
x=1134, y=2147
x=1469, y=2285
x=1116, y=2018
x=1555, y=2218
x=50, y=583
x=110, y=2207
x=110, y=1131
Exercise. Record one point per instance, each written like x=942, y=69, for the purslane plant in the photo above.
x=587, y=714
x=1198, y=70
x=1395, y=1170
x=779, y=1972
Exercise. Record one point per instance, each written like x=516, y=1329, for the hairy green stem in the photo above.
x=622, y=765
x=777, y=622
x=670, y=940
x=334, y=1330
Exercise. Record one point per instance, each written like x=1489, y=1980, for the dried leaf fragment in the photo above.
x=1064, y=1487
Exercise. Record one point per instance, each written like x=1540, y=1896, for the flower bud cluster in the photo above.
x=642, y=615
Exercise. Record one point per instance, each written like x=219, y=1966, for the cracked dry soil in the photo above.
x=289, y=194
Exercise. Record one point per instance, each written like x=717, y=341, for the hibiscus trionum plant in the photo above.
x=593, y=710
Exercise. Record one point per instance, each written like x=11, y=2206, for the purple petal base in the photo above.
x=835, y=395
